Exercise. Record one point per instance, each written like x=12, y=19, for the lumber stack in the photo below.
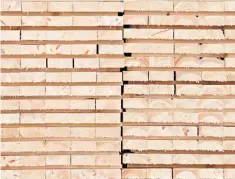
x=61, y=94
x=118, y=89
x=179, y=89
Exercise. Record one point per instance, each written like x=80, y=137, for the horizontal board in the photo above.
x=179, y=146
x=61, y=118
x=182, y=159
x=89, y=104
x=84, y=160
x=74, y=49
x=76, y=65
x=79, y=35
x=182, y=91
x=56, y=91
x=218, y=104
x=55, y=173
x=63, y=77
x=61, y=21
x=187, y=118
x=178, y=173
x=53, y=146
x=61, y=132
x=63, y=6
x=175, y=19
x=182, y=48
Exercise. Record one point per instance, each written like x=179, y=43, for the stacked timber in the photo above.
x=118, y=89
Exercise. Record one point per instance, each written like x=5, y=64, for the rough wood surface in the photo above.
x=117, y=89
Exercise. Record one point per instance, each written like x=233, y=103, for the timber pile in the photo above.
x=118, y=89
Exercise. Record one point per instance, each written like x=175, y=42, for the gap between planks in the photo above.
x=63, y=56
x=59, y=111
x=44, y=42
x=179, y=26
x=225, y=124
x=177, y=138
x=10, y=70
x=18, y=125
x=119, y=42
x=122, y=124
x=61, y=70
x=114, y=111
x=181, y=82
x=59, y=153
x=62, y=27
x=185, y=13
x=127, y=12
x=57, y=139
x=62, y=84
x=59, y=97
x=179, y=110
x=24, y=13
x=180, y=69
x=201, y=41
x=137, y=166
x=165, y=96
x=179, y=55
x=115, y=83
x=117, y=27
x=179, y=152
x=115, y=139
x=113, y=153
x=118, y=97
x=60, y=167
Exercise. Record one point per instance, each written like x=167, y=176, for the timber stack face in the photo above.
x=118, y=89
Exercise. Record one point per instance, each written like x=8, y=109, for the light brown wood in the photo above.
x=117, y=89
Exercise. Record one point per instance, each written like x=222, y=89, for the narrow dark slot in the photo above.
x=121, y=141
x=175, y=84
x=95, y=103
x=73, y=62
x=97, y=48
x=124, y=40
x=125, y=82
x=20, y=35
x=198, y=132
x=124, y=165
x=174, y=62
x=121, y=115
x=223, y=30
x=127, y=54
x=127, y=26
x=46, y=62
x=123, y=69
x=120, y=13
x=122, y=109
x=221, y=58
x=127, y=151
